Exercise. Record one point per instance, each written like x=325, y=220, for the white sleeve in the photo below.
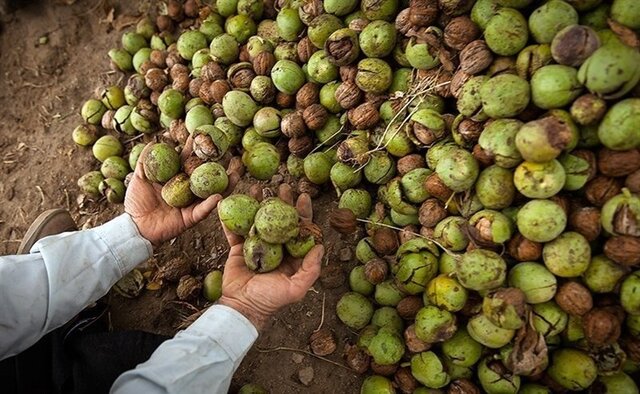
x=62, y=275
x=200, y=359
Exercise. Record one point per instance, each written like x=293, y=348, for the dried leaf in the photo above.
x=530, y=354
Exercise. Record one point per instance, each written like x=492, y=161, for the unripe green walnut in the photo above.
x=85, y=135
x=498, y=140
x=237, y=213
x=240, y=27
x=266, y=122
x=495, y=378
x=107, y=146
x=538, y=284
x=388, y=317
x=542, y=140
x=462, y=349
x=429, y=370
x=374, y=76
x=414, y=270
x=446, y=293
x=276, y=221
x=577, y=171
x=458, y=170
x=626, y=12
x=92, y=111
x=358, y=281
x=190, y=42
x=627, y=204
x=357, y=200
x=611, y=70
x=198, y=116
x=618, y=129
x=505, y=96
x=340, y=7
x=176, y=192
x=121, y=59
x=89, y=183
x=317, y=167
x=212, y=286
x=549, y=319
x=377, y=385
x=320, y=69
x=602, y=275
x=354, y=310
x=140, y=58
x=506, y=32
x=289, y=24
x=386, y=347
x=421, y=55
x=380, y=168
x=261, y=256
x=630, y=294
x=224, y=49
x=531, y=59
x=113, y=189
x=481, y=270
x=495, y=188
x=171, y=103
x=115, y=167
x=619, y=382
x=388, y=294
x=239, y=107
x=161, y=163
x=491, y=226
x=541, y=220
x=488, y=334
x=539, y=180
x=287, y=76
x=483, y=11
x=378, y=39
x=547, y=20
x=412, y=184
x=344, y=176
x=451, y=233
x=208, y=179
x=572, y=369
x=132, y=42
x=555, y=86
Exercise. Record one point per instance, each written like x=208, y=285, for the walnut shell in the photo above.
x=263, y=63
x=174, y=269
x=523, y=249
x=631, y=346
x=457, y=82
x=475, y=57
x=460, y=31
x=343, y=220
x=623, y=249
x=218, y=90
x=178, y=69
x=618, y=163
x=601, y=327
x=463, y=386
x=364, y=116
x=405, y=381
x=356, y=359
x=383, y=370
x=194, y=87
x=409, y=306
x=403, y=21
x=385, y=241
x=586, y=221
x=348, y=72
x=431, y=212
x=173, y=58
x=164, y=23
x=348, y=95
x=408, y=233
x=308, y=95
x=300, y=146
x=436, y=188
x=181, y=83
x=306, y=186
x=156, y=79
x=178, y=131
x=212, y=71
x=305, y=49
x=574, y=298
x=423, y=13
x=315, y=116
x=413, y=343
x=601, y=189
x=590, y=158
x=188, y=288
x=285, y=100
x=323, y=342
x=376, y=271
x=159, y=58
x=292, y=125
x=410, y=162
x=484, y=158
x=633, y=182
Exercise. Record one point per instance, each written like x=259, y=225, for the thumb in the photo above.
x=308, y=273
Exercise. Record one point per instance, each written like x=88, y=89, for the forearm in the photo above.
x=62, y=275
x=199, y=359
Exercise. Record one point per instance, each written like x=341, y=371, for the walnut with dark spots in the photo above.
x=431, y=212
x=586, y=221
x=423, y=13
x=574, y=44
x=470, y=131
x=263, y=63
x=460, y=31
x=601, y=327
x=376, y=271
x=409, y=306
x=158, y=58
x=348, y=95
x=173, y=58
x=590, y=158
x=241, y=78
x=618, y=163
x=323, y=342
x=342, y=49
x=363, y=117
x=308, y=95
x=212, y=71
x=623, y=249
x=601, y=189
x=315, y=116
x=181, y=83
x=475, y=57
x=574, y=298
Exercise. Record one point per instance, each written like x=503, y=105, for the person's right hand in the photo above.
x=258, y=296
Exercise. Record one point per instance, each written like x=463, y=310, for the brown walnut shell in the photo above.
x=323, y=342
x=413, y=343
x=292, y=125
x=305, y=49
x=633, y=182
x=300, y=146
x=623, y=249
x=405, y=381
x=315, y=116
x=423, y=12
x=285, y=100
x=308, y=187
x=178, y=131
x=409, y=306
x=601, y=327
x=263, y=63
x=348, y=95
x=156, y=79
x=410, y=162
x=431, y=212
x=385, y=241
x=212, y=71
x=586, y=221
x=601, y=189
x=574, y=298
x=460, y=31
x=364, y=116
x=618, y=163
x=463, y=386
x=356, y=359
x=383, y=370
x=348, y=72
x=403, y=21
x=435, y=187
x=376, y=271
x=308, y=95
x=174, y=269
x=194, y=87
x=343, y=220
x=475, y=57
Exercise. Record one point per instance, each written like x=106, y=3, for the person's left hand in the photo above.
x=156, y=220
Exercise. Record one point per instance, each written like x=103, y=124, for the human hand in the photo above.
x=155, y=219
x=258, y=296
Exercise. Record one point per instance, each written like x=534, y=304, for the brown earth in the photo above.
x=53, y=56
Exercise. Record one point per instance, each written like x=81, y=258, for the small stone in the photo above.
x=306, y=375
x=297, y=358
x=345, y=254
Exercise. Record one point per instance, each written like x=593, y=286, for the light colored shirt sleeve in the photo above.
x=62, y=275
x=200, y=359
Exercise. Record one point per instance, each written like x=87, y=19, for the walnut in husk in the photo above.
x=410, y=162
x=530, y=353
x=601, y=327
x=623, y=249
x=323, y=342
x=574, y=298
x=188, y=288
x=413, y=343
x=435, y=187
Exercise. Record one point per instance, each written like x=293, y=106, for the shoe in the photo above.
x=51, y=222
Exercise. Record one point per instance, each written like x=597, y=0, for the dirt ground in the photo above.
x=53, y=55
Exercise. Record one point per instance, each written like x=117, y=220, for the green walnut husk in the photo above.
x=495, y=188
x=572, y=369
x=358, y=201
x=548, y=319
x=629, y=294
x=496, y=378
x=89, y=183
x=374, y=76
x=378, y=39
x=171, y=103
x=386, y=347
x=321, y=27
x=506, y=32
x=547, y=20
x=617, y=383
x=618, y=129
x=488, y=334
x=239, y=107
x=237, y=213
x=358, y=281
x=212, y=286
x=414, y=270
x=380, y=168
x=344, y=176
x=198, y=115
x=208, y=179
x=498, y=140
x=261, y=256
x=541, y=220
x=92, y=111
x=602, y=275
x=505, y=96
x=224, y=49
x=287, y=76
x=481, y=270
x=620, y=215
x=451, y=233
x=85, y=135
x=320, y=68
x=539, y=180
x=161, y=163
x=276, y=221
x=462, y=349
x=354, y=310
x=317, y=167
x=388, y=317
x=538, y=284
x=434, y=324
x=568, y=255
x=177, y=192
x=446, y=293
x=429, y=370
x=377, y=384
x=107, y=146
x=555, y=86
x=113, y=189
x=115, y=167
x=262, y=160
x=458, y=170
x=611, y=70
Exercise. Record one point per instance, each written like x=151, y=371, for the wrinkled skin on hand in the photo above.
x=258, y=296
